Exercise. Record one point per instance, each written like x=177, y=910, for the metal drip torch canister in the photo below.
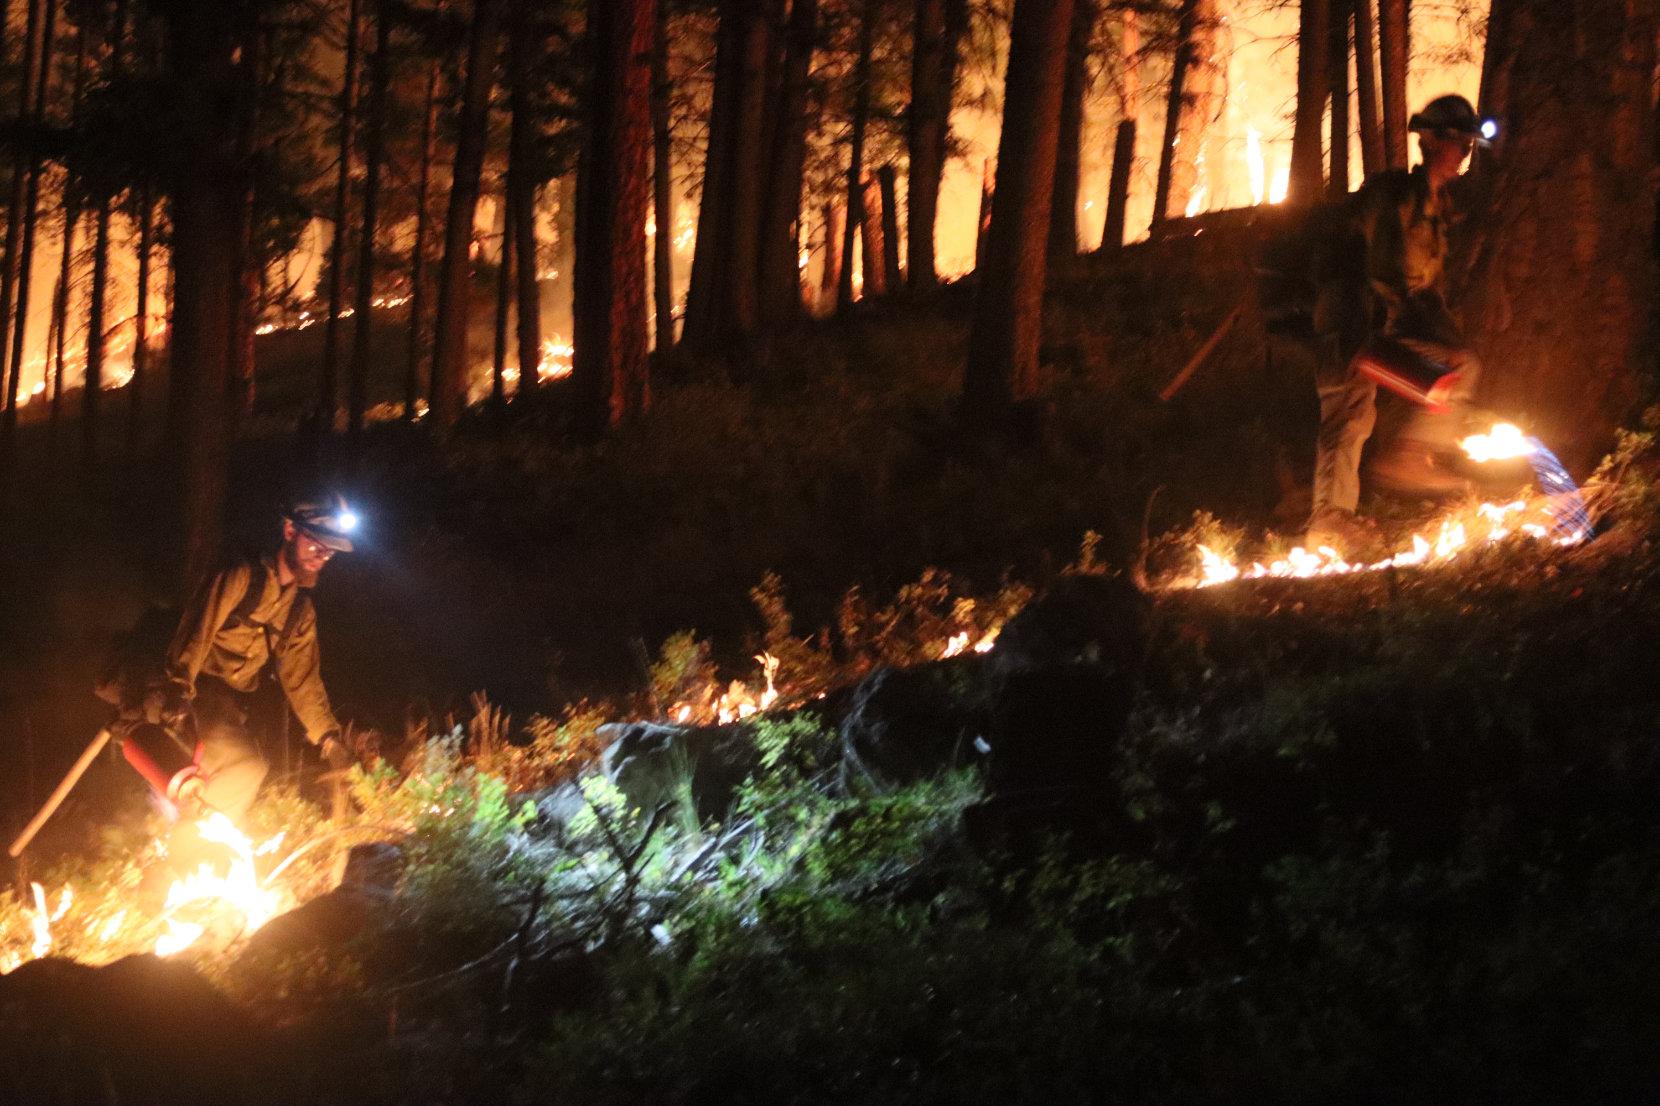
x=1395, y=365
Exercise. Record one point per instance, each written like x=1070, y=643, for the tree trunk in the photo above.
x=873, y=268
x=205, y=65
x=146, y=217
x=449, y=339
x=938, y=31
x=328, y=385
x=1118, y=189
x=1190, y=108
x=780, y=268
x=709, y=253
x=983, y=218
x=1392, y=46
x=26, y=268
x=662, y=185
x=830, y=278
x=13, y=290
x=1339, y=77
x=1314, y=24
x=1566, y=353
x=504, y=304
x=856, y=156
x=524, y=54
x=1002, y=364
x=373, y=154
x=609, y=319
x=1366, y=88
x=1063, y=207
x=418, y=252
x=887, y=180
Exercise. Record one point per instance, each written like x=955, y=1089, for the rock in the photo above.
x=139, y=1030
x=1098, y=620
x=653, y=763
x=905, y=724
x=355, y=907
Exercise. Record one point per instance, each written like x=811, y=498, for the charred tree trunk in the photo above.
x=1366, y=88
x=1566, y=352
x=26, y=266
x=449, y=337
x=662, y=185
x=206, y=64
x=609, y=364
x=983, y=218
x=1313, y=87
x=145, y=215
x=939, y=29
x=856, y=157
x=780, y=269
x=1392, y=48
x=1063, y=208
x=504, y=306
x=1002, y=367
x=1338, y=185
x=357, y=389
x=418, y=252
x=328, y=387
x=723, y=303
x=830, y=278
x=888, y=183
x=1124, y=136
x=1189, y=110
x=14, y=291
x=523, y=175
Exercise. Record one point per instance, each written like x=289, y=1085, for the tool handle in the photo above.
x=65, y=786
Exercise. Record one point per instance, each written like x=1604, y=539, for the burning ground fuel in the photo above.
x=1556, y=513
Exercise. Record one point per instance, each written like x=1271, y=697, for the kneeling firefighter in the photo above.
x=245, y=618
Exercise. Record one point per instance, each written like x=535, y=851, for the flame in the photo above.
x=1201, y=190
x=41, y=919
x=1255, y=165
x=1503, y=442
x=237, y=891
x=556, y=359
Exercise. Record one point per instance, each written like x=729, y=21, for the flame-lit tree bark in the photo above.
x=1002, y=366
x=856, y=156
x=418, y=251
x=1338, y=183
x=609, y=316
x=1366, y=87
x=207, y=72
x=449, y=330
x=357, y=387
x=662, y=185
x=524, y=174
x=873, y=246
x=1572, y=194
x=504, y=309
x=1393, y=54
x=1308, y=178
x=780, y=271
x=831, y=275
x=328, y=387
x=1063, y=208
x=722, y=304
x=11, y=288
x=938, y=29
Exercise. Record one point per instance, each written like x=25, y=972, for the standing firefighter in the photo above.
x=1412, y=344
x=244, y=618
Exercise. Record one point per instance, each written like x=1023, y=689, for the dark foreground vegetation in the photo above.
x=1384, y=838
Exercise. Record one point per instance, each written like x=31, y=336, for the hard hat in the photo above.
x=1449, y=113
x=326, y=520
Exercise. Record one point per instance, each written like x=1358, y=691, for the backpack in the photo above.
x=135, y=665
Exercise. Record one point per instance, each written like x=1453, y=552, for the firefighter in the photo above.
x=245, y=618
x=1402, y=218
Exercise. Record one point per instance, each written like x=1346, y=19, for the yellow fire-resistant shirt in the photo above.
x=1404, y=223
x=209, y=641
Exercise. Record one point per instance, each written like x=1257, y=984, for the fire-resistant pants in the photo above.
x=232, y=767
x=1348, y=412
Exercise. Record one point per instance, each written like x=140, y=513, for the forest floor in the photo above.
x=1384, y=837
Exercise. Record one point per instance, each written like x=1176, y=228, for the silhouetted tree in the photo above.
x=938, y=29
x=1308, y=177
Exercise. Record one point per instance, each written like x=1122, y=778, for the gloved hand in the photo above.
x=168, y=704
x=334, y=751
